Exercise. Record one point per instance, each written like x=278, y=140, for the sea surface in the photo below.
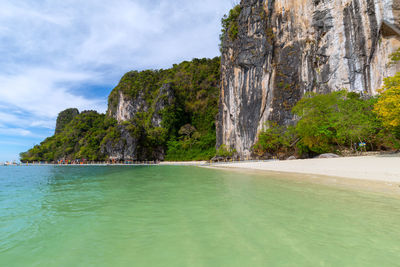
x=188, y=216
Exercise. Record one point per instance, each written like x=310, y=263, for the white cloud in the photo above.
x=15, y=131
x=49, y=48
x=7, y=118
x=92, y=33
x=39, y=92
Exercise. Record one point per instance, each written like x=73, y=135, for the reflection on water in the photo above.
x=188, y=216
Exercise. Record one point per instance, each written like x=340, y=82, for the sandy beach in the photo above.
x=384, y=168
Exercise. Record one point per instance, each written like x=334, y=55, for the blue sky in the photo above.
x=71, y=53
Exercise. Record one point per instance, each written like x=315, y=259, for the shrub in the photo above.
x=388, y=105
x=230, y=26
x=395, y=57
x=274, y=140
x=336, y=121
x=225, y=152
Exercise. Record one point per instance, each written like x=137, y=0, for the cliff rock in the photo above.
x=128, y=145
x=285, y=48
x=124, y=148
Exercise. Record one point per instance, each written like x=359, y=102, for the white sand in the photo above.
x=373, y=168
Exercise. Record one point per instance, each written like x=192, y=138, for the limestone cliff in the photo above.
x=152, y=106
x=127, y=109
x=285, y=48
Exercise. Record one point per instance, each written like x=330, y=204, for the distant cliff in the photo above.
x=275, y=51
x=140, y=117
x=152, y=115
x=154, y=107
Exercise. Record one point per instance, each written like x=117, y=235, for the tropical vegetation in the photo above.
x=81, y=138
x=230, y=25
x=187, y=130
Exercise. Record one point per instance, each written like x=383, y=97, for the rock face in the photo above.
x=285, y=48
x=128, y=146
x=123, y=149
x=128, y=107
x=328, y=156
x=165, y=98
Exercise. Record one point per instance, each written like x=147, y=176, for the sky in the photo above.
x=61, y=54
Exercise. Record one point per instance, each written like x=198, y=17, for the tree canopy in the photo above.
x=79, y=139
x=187, y=129
x=388, y=105
x=335, y=122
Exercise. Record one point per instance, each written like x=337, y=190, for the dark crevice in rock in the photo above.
x=276, y=59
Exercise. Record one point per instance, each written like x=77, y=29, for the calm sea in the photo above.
x=188, y=216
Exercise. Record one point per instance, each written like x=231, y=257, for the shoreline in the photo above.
x=384, y=168
x=374, y=168
x=379, y=174
x=163, y=163
x=376, y=173
x=391, y=189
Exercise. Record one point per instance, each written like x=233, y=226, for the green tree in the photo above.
x=388, y=105
x=230, y=25
x=274, y=140
x=331, y=122
x=81, y=138
x=65, y=117
x=318, y=114
x=395, y=57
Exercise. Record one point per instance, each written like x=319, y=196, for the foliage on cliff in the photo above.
x=65, y=117
x=274, y=140
x=334, y=122
x=134, y=84
x=195, y=87
x=388, y=106
x=230, y=26
x=79, y=139
x=395, y=57
x=186, y=131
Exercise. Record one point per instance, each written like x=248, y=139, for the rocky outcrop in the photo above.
x=285, y=48
x=125, y=148
x=327, y=156
x=128, y=146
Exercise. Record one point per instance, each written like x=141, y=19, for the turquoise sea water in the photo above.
x=188, y=216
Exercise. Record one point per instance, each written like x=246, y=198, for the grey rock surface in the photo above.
x=128, y=146
x=328, y=156
x=285, y=49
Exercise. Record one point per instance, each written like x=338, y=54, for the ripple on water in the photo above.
x=187, y=216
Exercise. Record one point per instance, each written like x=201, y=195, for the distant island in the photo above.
x=277, y=91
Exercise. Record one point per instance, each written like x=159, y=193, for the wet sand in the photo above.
x=371, y=173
